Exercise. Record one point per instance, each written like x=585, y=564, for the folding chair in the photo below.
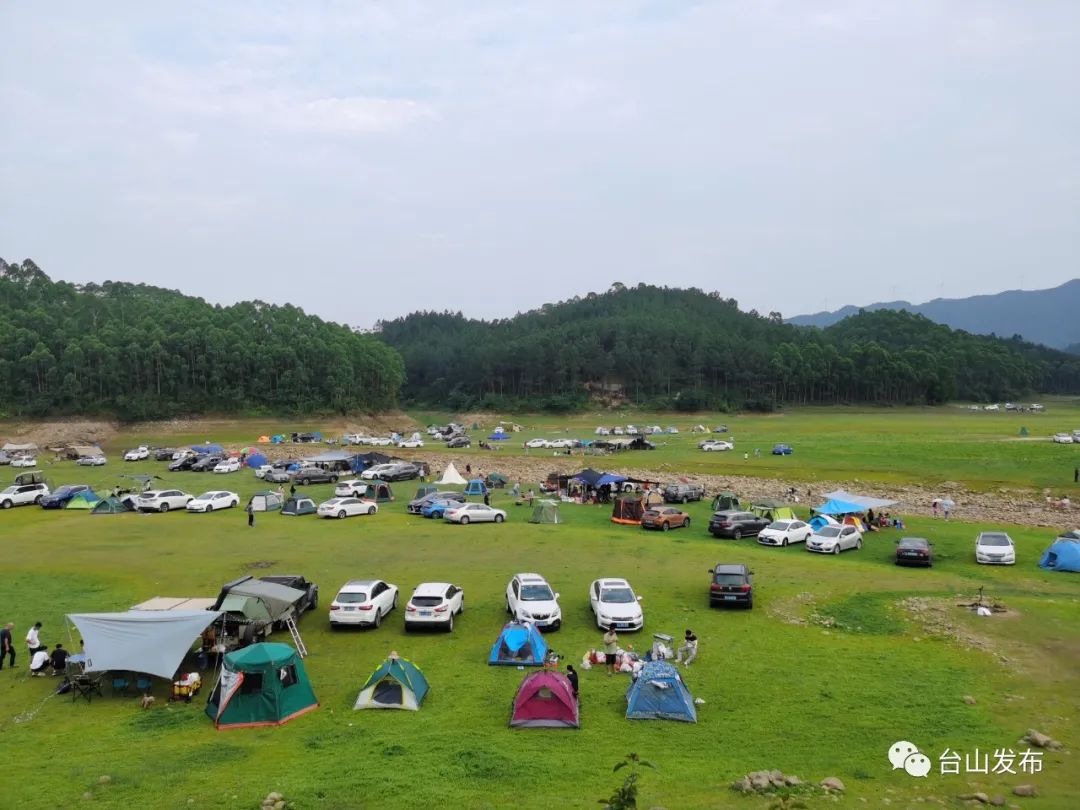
x=143, y=684
x=120, y=684
x=85, y=685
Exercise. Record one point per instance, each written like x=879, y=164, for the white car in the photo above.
x=380, y=441
x=410, y=443
x=213, y=501
x=352, y=488
x=22, y=495
x=1063, y=438
x=716, y=446
x=474, y=513
x=785, y=532
x=262, y=470
x=162, y=500
x=434, y=603
x=346, y=507
x=87, y=461
x=834, y=539
x=613, y=603
x=138, y=454
x=24, y=461
x=363, y=601
x=229, y=465
x=371, y=473
x=995, y=548
x=529, y=598
x=561, y=444
x=535, y=443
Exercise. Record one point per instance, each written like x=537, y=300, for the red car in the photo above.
x=664, y=518
x=914, y=551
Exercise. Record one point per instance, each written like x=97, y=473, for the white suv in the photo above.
x=434, y=603
x=22, y=495
x=363, y=601
x=162, y=500
x=529, y=598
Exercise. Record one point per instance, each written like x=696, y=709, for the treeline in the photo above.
x=141, y=352
x=684, y=349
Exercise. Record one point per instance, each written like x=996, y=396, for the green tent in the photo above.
x=397, y=684
x=496, y=480
x=771, y=512
x=425, y=490
x=265, y=500
x=725, y=501
x=261, y=685
x=299, y=505
x=83, y=500
x=377, y=490
x=110, y=506
x=546, y=512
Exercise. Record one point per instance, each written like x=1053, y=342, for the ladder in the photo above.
x=298, y=642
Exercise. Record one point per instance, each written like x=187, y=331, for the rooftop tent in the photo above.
x=86, y=499
x=545, y=699
x=425, y=489
x=724, y=501
x=496, y=480
x=275, y=598
x=451, y=476
x=261, y=685
x=660, y=694
x=774, y=512
x=150, y=641
x=202, y=449
x=265, y=500
x=396, y=684
x=821, y=521
x=518, y=644
x=1062, y=555
x=110, y=506
x=378, y=491
x=627, y=509
x=835, y=507
x=476, y=487
x=860, y=501
x=256, y=460
x=546, y=512
x=299, y=505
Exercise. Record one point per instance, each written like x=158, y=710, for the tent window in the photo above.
x=288, y=676
x=253, y=682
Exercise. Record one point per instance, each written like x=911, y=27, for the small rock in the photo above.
x=274, y=796
x=279, y=805
x=832, y=783
x=978, y=797
x=104, y=780
x=969, y=700
x=1038, y=738
x=997, y=801
x=792, y=780
x=760, y=781
x=1025, y=790
x=742, y=785
x=1054, y=745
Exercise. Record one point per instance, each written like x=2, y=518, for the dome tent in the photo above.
x=660, y=694
x=265, y=500
x=299, y=505
x=396, y=684
x=546, y=511
x=1062, y=555
x=518, y=644
x=261, y=685
x=545, y=699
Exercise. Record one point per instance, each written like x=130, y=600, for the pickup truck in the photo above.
x=681, y=493
x=253, y=608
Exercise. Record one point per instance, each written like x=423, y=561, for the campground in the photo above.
x=840, y=657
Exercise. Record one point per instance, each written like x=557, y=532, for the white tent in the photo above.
x=19, y=448
x=858, y=500
x=150, y=641
x=451, y=476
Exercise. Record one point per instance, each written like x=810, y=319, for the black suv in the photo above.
x=736, y=524
x=401, y=472
x=458, y=441
x=206, y=464
x=183, y=463
x=417, y=504
x=314, y=475
x=732, y=584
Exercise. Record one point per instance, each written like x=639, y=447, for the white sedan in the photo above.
x=363, y=601
x=1063, y=438
x=784, y=532
x=380, y=441
x=434, y=603
x=262, y=470
x=474, y=513
x=83, y=461
x=561, y=444
x=162, y=500
x=613, y=603
x=229, y=465
x=834, y=539
x=537, y=443
x=213, y=501
x=371, y=473
x=138, y=454
x=410, y=443
x=995, y=548
x=351, y=488
x=346, y=507
x=25, y=461
x=716, y=446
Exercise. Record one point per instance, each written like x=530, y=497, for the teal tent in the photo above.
x=396, y=684
x=261, y=685
x=86, y=499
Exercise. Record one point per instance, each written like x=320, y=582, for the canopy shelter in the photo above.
x=396, y=684
x=545, y=699
x=545, y=511
x=518, y=644
x=203, y=449
x=150, y=641
x=451, y=477
x=299, y=505
x=837, y=507
x=29, y=447
x=862, y=501
x=76, y=451
x=596, y=479
x=340, y=459
x=256, y=460
x=725, y=501
x=660, y=694
x=261, y=685
x=111, y=506
x=372, y=458
x=86, y=499
x=1062, y=555
x=265, y=500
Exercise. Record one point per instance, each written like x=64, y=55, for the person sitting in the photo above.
x=897, y=523
x=39, y=664
x=58, y=659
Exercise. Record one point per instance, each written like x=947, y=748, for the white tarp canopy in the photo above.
x=859, y=500
x=451, y=476
x=150, y=641
x=17, y=448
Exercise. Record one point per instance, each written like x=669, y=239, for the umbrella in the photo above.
x=948, y=503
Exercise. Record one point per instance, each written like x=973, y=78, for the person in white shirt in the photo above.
x=687, y=648
x=39, y=663
x=33, y=642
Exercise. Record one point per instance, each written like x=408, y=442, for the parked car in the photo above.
x=562, y=444
x=138, y=454
x=1063, y=438
x=914, y=551
x=299, y=583
x=363, y=601
x=732, y=584
x=82, y=461
x=784, y=532
x=416, y=505
x=529, y=598
x=681, y=493
x=206, y=463
x=314, y=475
x=715, y=446
x=401, y=471
x=183, y=463
x=59, y=498
x=164, y=453
x=437, y=508
x=782, y=450
x=834, y=538
x=213, y=501
x=162, y=500
x=262, y=470
x=278, y=475
x=410, y=443
x=537, y=443
x=434, y=603
x=735, y=524
x=22, y=495
x=229, y=465
x=995, y=548
x=613, y=602
x=664, y=518
x=376, y=471
x=474, y=513
x=26, y=461
x=380, y=441
x=346, y=507
x=458, y=442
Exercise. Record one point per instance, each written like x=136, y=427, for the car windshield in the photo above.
x=994, y=540
x=779, y=525
x=206, y=496
x=536, y=593
x=617, y=595
x=351, y=598
x=728, y=579
x=829, y=531
x=427, y=601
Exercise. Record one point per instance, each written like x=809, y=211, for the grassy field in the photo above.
x=809, y=699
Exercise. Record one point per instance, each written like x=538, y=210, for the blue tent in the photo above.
x=519, y=644
x=256, y=460
x=835, y=507
x=499, y=436
x=201, y=449
x=1062, y=555
x=660, y=694
x=476, y=487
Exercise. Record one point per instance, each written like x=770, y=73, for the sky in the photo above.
x=367, y=159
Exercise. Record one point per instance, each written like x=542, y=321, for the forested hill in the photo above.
x=688, y=350
x=143, y=352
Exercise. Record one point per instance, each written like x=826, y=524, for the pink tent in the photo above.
x=545, y=699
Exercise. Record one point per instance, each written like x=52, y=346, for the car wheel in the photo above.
x=234, y=504
x=333, y=479
x=163, y=508
x=7, y=504
x=665, y=526
x=750, y=603
x=737, y=534
x=378, y=618
x=450, y=624
x=341, y=514
x=37, y=500
x=684, y=499
x=784, y=543
x=508, y=608
x=498, y=518
x=209, y=508
x=305, y=481
x=836, y=549
x=436, y=515
x=686, y=523
x=371, y=510
x=408, y=627
x=461, y=609
x=464, y=520
x=394, y=605
x=858, y=544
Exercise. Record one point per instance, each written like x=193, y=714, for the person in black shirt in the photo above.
x=59, y=659
x=7, y=647
x=571, y=676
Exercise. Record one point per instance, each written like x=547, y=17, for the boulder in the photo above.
x=969, y=700
x=274, y=796
x=1025, y=790
x=792, y=780
x=760, y=780
x=977, y=797
x=1038, y=738
x=832, y=783
x=742, y=785
x=997, y=801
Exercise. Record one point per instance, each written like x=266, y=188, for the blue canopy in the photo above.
x=499, y=437
x=1062, y=555
x=520, y=645
x=660, y=694
x=256, y=460
x=201, y=449
x=598, y=479
x=835, y=507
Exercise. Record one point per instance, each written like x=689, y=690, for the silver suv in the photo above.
x=22, y=495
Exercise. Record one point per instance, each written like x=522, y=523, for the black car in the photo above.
x=206, y=463
x=314, y=475
x=401, y=472
x=416, y=504
x=914, y=551
x=459, y=441
x=183, y=463
x=163, y=453
x=735, y=524
x=732, y=584
x=310, y=589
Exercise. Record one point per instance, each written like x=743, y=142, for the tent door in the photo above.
x=388, y=693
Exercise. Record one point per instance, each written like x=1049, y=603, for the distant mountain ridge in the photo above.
x=1049, y=316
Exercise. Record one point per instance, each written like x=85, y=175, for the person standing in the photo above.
x=33, y=639
x=250, y=514
x=571, y=675
x=611, y=648
x=1076, y=475
x=292, y=489
x=7, y=646
x=687, y=648
x=468, y=469
x=487, y=498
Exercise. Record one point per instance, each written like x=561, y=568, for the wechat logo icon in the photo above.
x=906, y=755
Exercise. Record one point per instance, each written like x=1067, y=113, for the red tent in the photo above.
x=545, y=699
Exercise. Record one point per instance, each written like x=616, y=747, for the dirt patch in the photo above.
x=59, y=433
x=258, y=564
x=934, y=618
